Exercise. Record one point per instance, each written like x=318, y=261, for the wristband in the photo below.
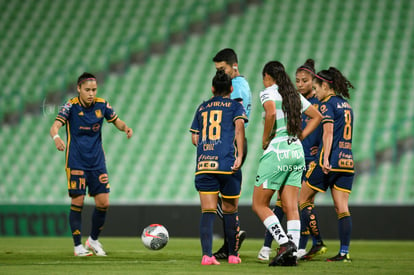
x=55, y=137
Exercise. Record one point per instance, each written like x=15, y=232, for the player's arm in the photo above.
x=240, y=135
x=194, y=139
x=54, y=134
x=121, y=125
x=270, y=118
x=327, y=139
x=314, y=121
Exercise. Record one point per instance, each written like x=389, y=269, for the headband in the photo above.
x=320, y=77
x=86, y=79
x=306, y=69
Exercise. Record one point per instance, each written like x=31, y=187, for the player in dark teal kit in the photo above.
x=85, y=159
x=217, y=127
x=334, y=165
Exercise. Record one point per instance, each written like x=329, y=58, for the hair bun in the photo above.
x=310, y=63
x=221, y=74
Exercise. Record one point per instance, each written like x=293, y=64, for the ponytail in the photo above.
x=221, y=83
x=336, y=81
x=291, y=103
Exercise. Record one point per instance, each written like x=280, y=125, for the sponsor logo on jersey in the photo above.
x=98, y=113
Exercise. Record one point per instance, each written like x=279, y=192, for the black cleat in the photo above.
x=339, y=258
x=242, y=236
x=315, y=250
x=290, y=261
x=284, y=256
x=222, y=253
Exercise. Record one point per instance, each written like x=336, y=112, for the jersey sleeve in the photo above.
x=265, y=95
x=237, y=93
x=327, y=112
x=239, y=112
x=110, y=114
x=64, y=113
x=195, y=125
x=305, y=103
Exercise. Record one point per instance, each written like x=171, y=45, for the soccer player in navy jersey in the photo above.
x=334, y=165
x=218, y=133
x=226, y=60
x=85, y=160
x=304, y=76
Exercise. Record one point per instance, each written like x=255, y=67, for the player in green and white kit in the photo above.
x=282, y=163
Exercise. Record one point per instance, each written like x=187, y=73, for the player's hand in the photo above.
x=237, y=164
x=60, y=144
x=314, y=150
x=326, y=168
x=129, y=132
x=266, y=143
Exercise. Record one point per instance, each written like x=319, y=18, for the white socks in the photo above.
x=272, y=224
x=293, y=228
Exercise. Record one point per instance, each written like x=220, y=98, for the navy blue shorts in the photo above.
x=96, y=181
x=319, y=181
x=229, y=185
x=307, y=162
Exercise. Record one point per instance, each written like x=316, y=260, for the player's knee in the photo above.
x=102, y=205
x=256, y=208
x=77, y=200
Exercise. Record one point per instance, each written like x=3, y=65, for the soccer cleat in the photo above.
x=222, y=253
x=96, y=247
x=315, y=250
x=301, y=253
x=290, y=261
x=242, y=236
x=340, y=258
x=284, y=255
x=81, y=251
x=234, y=259
x=207, y=260
x=264, y=253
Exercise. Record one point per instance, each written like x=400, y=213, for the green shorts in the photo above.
x=281, y=164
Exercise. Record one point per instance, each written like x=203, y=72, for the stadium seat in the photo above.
x=45, y=50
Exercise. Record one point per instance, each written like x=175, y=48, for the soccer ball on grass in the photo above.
x=155, y=236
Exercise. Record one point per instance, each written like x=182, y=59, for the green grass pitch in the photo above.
x=183, y=255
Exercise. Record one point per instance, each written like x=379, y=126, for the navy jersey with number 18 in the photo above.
x=214, y=124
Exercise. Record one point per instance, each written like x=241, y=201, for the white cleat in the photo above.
x=95, y=246
x=81, y=251
x=264, y=253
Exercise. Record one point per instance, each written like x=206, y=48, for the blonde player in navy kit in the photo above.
x=334, y=166
x=85, y=160
x=218, y=133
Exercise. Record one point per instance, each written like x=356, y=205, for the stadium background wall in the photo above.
x=369, y=222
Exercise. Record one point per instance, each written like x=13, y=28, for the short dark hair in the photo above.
x=221, y=83
x=227, y=55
